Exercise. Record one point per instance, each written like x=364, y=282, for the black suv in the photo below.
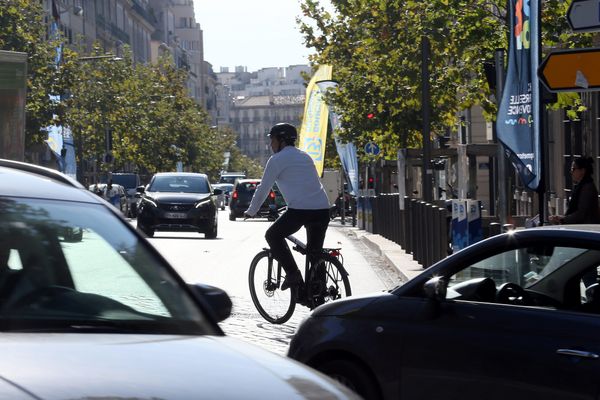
x=240, y=200
x=178, y=201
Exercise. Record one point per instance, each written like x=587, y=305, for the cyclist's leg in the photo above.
x=316, y=223
x=288, y=223
x=316, y=228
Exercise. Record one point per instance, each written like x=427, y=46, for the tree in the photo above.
x=374, y=48
x=24, y=30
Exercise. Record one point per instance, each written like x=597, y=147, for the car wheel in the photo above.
x=148, y=231
x=352, y=375
x=212, y=232
x=231, y=217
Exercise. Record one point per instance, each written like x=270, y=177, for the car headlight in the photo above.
x=202, y=203
x=146, y=200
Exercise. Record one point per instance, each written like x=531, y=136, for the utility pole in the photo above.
x=502, y=207
x=425, y=104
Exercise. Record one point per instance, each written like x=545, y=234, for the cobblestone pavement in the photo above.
x=247, y=324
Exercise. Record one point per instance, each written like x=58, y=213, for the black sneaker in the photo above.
x=293, y=279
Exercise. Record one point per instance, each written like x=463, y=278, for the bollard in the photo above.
x=368, y=215
x=495, y=229
x=361, y=212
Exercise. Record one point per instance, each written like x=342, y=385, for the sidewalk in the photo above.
x=392, y=253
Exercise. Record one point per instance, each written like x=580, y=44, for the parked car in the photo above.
x=100, y=190
x=223, y=199
x=178, y=201
x=514, y=316
x=108, y=317
x=242, y=195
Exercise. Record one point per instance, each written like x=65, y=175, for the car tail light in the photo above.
x=272, y=195
x=234, y=195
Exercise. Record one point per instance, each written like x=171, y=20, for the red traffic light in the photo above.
x=371, y=115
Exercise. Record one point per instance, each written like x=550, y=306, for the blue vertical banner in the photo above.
x=518, y=120
x=346, y=151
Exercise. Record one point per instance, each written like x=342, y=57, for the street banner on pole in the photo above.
x=313, y=130
x=346, y=151
x=518, y=119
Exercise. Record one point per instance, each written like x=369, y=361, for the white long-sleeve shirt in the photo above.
x=297, y=179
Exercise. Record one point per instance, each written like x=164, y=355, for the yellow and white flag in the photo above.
x=313, y=131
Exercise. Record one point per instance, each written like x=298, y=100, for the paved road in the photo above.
x=224, y=262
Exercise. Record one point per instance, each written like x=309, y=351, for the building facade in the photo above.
x=252, y=102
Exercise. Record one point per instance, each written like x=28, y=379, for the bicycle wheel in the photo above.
x=327, y=282
x=265, y=278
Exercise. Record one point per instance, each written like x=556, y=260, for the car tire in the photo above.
x=352, y=375
x=212, y=232
x=231, y=217
x=147, y=231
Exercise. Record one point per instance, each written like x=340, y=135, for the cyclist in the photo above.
x=308, y=205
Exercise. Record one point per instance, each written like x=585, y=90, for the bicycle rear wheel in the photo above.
x=327, y=281
x=265, y=278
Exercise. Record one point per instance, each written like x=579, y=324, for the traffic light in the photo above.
x=370, y=115
x=371, y=183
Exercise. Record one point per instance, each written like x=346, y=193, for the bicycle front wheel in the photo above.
x=265, y=278
x=327, y=281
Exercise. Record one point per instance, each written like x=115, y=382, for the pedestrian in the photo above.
x=583, y=203
x=112, y=194
x=296, y=176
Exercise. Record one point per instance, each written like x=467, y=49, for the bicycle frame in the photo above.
x=300, y=247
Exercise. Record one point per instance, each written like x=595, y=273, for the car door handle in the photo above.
x=577, y=353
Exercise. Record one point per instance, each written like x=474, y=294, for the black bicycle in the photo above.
x=325, y=280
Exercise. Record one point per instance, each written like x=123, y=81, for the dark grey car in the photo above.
x=178, y=201
x=516, y=316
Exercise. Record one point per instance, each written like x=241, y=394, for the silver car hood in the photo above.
x=110, y=366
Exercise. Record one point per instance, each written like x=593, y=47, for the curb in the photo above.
x=393, y=254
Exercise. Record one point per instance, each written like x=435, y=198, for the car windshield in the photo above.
x=230, y=178
x=179, y=184
x=70, y=266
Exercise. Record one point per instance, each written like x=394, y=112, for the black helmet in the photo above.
x=284, y=131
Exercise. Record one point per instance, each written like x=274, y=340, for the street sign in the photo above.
x=584, y=15
x=372, y=149
x=576, y=70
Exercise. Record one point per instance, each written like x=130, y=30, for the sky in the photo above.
x=256, y=34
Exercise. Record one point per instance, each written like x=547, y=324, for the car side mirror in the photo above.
x=217, y=191
x=140, y=189
x=217, y=300
x=435, y=288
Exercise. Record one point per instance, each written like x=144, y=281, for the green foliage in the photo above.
x=374, y=47
x=146, y=110
x=23, y=30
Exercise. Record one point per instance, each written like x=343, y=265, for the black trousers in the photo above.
x=290, y=222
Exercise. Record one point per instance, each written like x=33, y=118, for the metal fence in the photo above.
x=421, y=229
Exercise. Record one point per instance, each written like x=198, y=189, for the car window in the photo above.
x=247, y=186
x=557, y=277
x=77, y=262
x=523, y=266
x=179, y=184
